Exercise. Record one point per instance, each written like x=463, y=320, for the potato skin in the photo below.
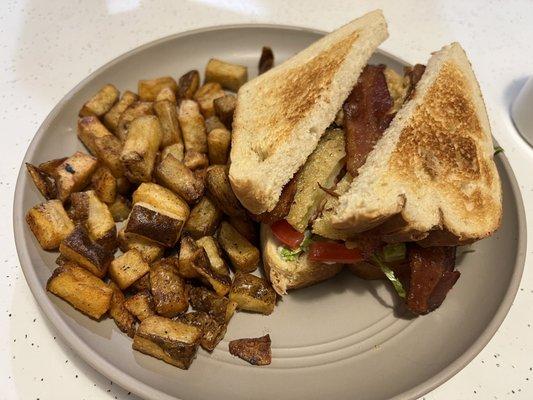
x=188, y=85
x=154, y=225
x=123, y=318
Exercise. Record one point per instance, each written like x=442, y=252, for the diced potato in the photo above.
x=204, y=219
x=212, y=331
x=141, y=305
x=49, y=167
x=86, y=208
x=220, y=283
x=266, y=61
x=172, y=341
x=168, y=117
x=189, y=252
x=256, y=351
x=112, y=117
x=148, y=89
x=206, y=95
x=128, y=268
x=230, y=76
x=221, y=193
x=108, y=150
x=50, y=223
x=120, y=209
x=175, y=176
x=167, y=94
x=192, y=126
x=188, y=85
x=194, y=160
x=81, y=289
x=153, y=224
x=89, y=129
x=101, y=102
x=225, y=108
x=161, y=198
x=136, y=110
x=149, y=250
x=117, y=310
x=213, y=123
x=140, y=148
x=176, y=150
x=104, y=184
x=252, y=293
x=73, y=174
x=218, y=146
x=218, y=307
x=246, y=227
x=210, y=245
x=141, y=284
x=168, y=289
x=43, y=181
x=243, y=255
x=81, y=249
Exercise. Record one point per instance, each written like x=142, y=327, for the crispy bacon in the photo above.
x=414, y=74
x=284, y=204
x=366, y=115
x=432, y=276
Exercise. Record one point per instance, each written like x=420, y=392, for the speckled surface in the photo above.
x=46, y=47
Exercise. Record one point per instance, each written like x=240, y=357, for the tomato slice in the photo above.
x=334, y=252
x=286, y=234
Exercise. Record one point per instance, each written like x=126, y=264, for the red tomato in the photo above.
x=286, y=234
x=334, y=252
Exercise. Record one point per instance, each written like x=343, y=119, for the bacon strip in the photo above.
x=432, y=276
x=366, y=115
x=284, y=204
x=414, y=74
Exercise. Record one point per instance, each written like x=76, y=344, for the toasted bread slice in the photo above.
x=282, y=114
x=285, y=275
x=433, y=170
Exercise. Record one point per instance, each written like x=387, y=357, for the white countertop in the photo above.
x=46, y=47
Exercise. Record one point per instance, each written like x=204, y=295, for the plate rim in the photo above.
x=100, y=364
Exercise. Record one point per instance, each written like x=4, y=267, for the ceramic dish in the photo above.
x=341, y=339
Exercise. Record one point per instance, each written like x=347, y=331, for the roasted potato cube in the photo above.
x=49, y=167
x=168, y=117
x=218, y=307
x=73, y=174
x=224, y=109
x=136, y=110
x=153, y=224
x=149, y=250
x=256, y=351
x=128, y=268
x=162, y=198
x=206, y=95
x=221, y=284
x=213, y=123
x=210, y=245
x=43, y=181
x=252, y=293
x=50, y=223
x=266, y=61
x=172, y=341
x=204, y=219
x=168, y=289
x=243, y=255
x=230, y=76
x=189, y=252
x=124, y=186
x=212, y=331
x=141, y=284
x=192, y=126
x=101, y=102
x=188, y=85
x=141, y=305
x=120, y=209
x=81, y=249
x=112, y=117
x=108, y=150
x=140, y=148
x=218, y=145
x=148, y=89
x=104, y=184
x=221, y=193
x=194, y=160
x=118, y=311
x=167, y=94
x=89, y=129
x=86, y=208
x=176, y=150
x=246, y=227
x=175, y=176
x=81, y=289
